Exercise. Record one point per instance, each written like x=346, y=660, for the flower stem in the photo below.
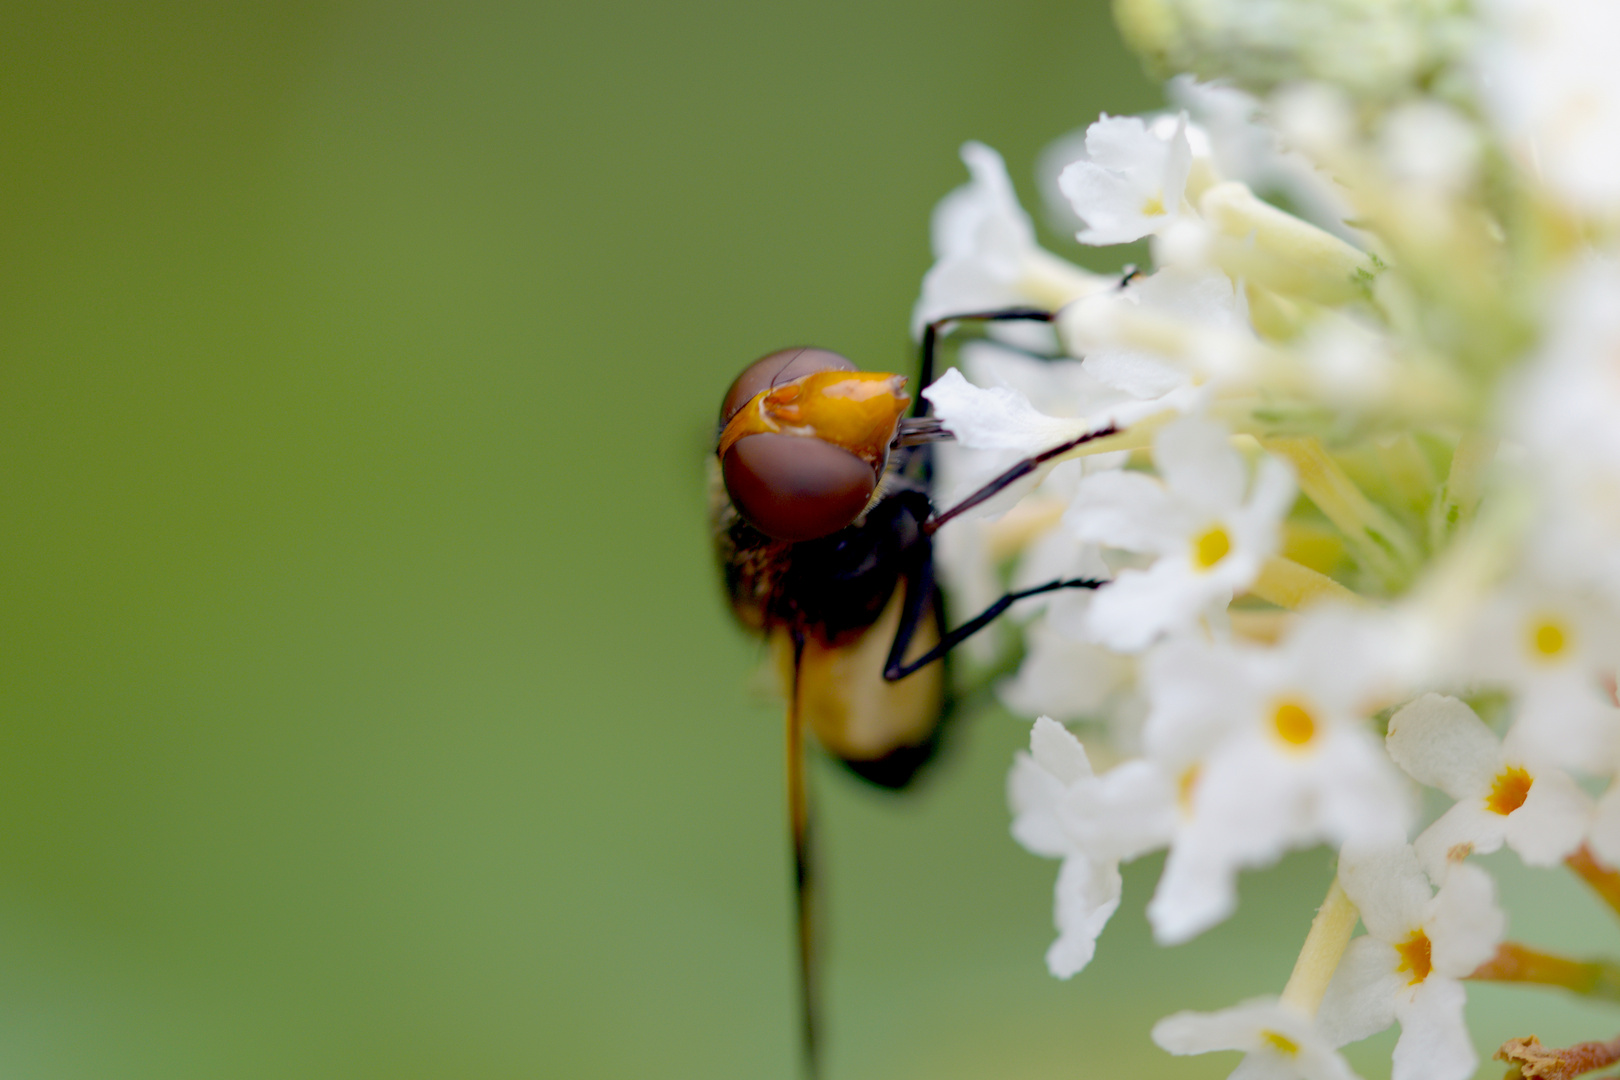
x=1529, y=1059
x=1324, y=946
x=1603, y=880
x=1292, y=585
x=1381, y=542
x=1515, y=963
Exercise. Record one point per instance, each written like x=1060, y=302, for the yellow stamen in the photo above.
x=1210, y=547
x=1153, y=206
x=1548, y=638
x=1294, y=723
x=1508, y=792
x=1184, y=789
x=1281, y=1043
x=1414, y=953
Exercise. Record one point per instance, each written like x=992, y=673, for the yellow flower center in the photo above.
x=1509, y=790
x=1414, y=953
x=1548, y=638
x=1184, y=789
x=1153, y=205
x=1294, y=723
x=1210, y=547
x=1281, y=1043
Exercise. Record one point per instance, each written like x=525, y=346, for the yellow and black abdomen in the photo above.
x=882, y=730
x=843, y=597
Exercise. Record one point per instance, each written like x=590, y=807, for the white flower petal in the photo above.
x=1237, y=1028
x=1434, y=1042
x=1360, y=1000
x=997, y=418
x=1440, y=742
x=1263, y=1065
x=1196, y=459
x=1198, y=697
x=1388, y=887
x=1552, y=820
x=1255, y=1026
x=1127, y=510
x=1464, y=924
x=1362, y=801
x=1133, y=183
x=1195, y=892
x=1461, y=831
x=1272, y=497
x=1133, y=806
x=1037, y=798
x=1088, y=893
x=1109, y=202
x=986, y=252
x=1564, y=722
x=1070, y=680
x=1140, y=605
x=1139, y=374
x=1605, y=837
x=960, y=218
x=1056, y=750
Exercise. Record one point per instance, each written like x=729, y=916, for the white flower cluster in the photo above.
x=1356, y=492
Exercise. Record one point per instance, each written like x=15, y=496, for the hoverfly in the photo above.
x=823, y=524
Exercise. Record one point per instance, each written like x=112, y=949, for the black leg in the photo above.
x=803, y=875
x=917, y=575
x=932, y=332
x=1014, y=474
x=919, y=589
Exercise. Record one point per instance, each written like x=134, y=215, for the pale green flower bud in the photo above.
x=1376, y=49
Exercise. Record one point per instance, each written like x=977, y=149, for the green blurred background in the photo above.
x=369, y=706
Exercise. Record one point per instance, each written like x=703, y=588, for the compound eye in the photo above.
x=794, y=488
x=779, y=367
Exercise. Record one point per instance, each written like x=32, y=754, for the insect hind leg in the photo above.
x=898, y=668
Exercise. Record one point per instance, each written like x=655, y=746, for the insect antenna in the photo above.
x=803, y=878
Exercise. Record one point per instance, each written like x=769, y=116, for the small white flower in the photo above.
x=1210, y=529
x=1062, y=677
x=1408, y=965
x=1063, y=810
x=1549, y=645
x=1273, y=751
x=1279, y=1042
x=1605, y=836
x=1000, y=418
x=1547, y=75
x=1205, y=298
x=986, y=253
x=1563, y=407
x=1000, y=409
x=1243, y=149
x=1501, y=795
x=1131, y=184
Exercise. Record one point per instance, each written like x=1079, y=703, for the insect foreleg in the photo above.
x=933, y=331
x=1013, y=475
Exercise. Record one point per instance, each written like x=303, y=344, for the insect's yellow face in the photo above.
x=857, y=411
